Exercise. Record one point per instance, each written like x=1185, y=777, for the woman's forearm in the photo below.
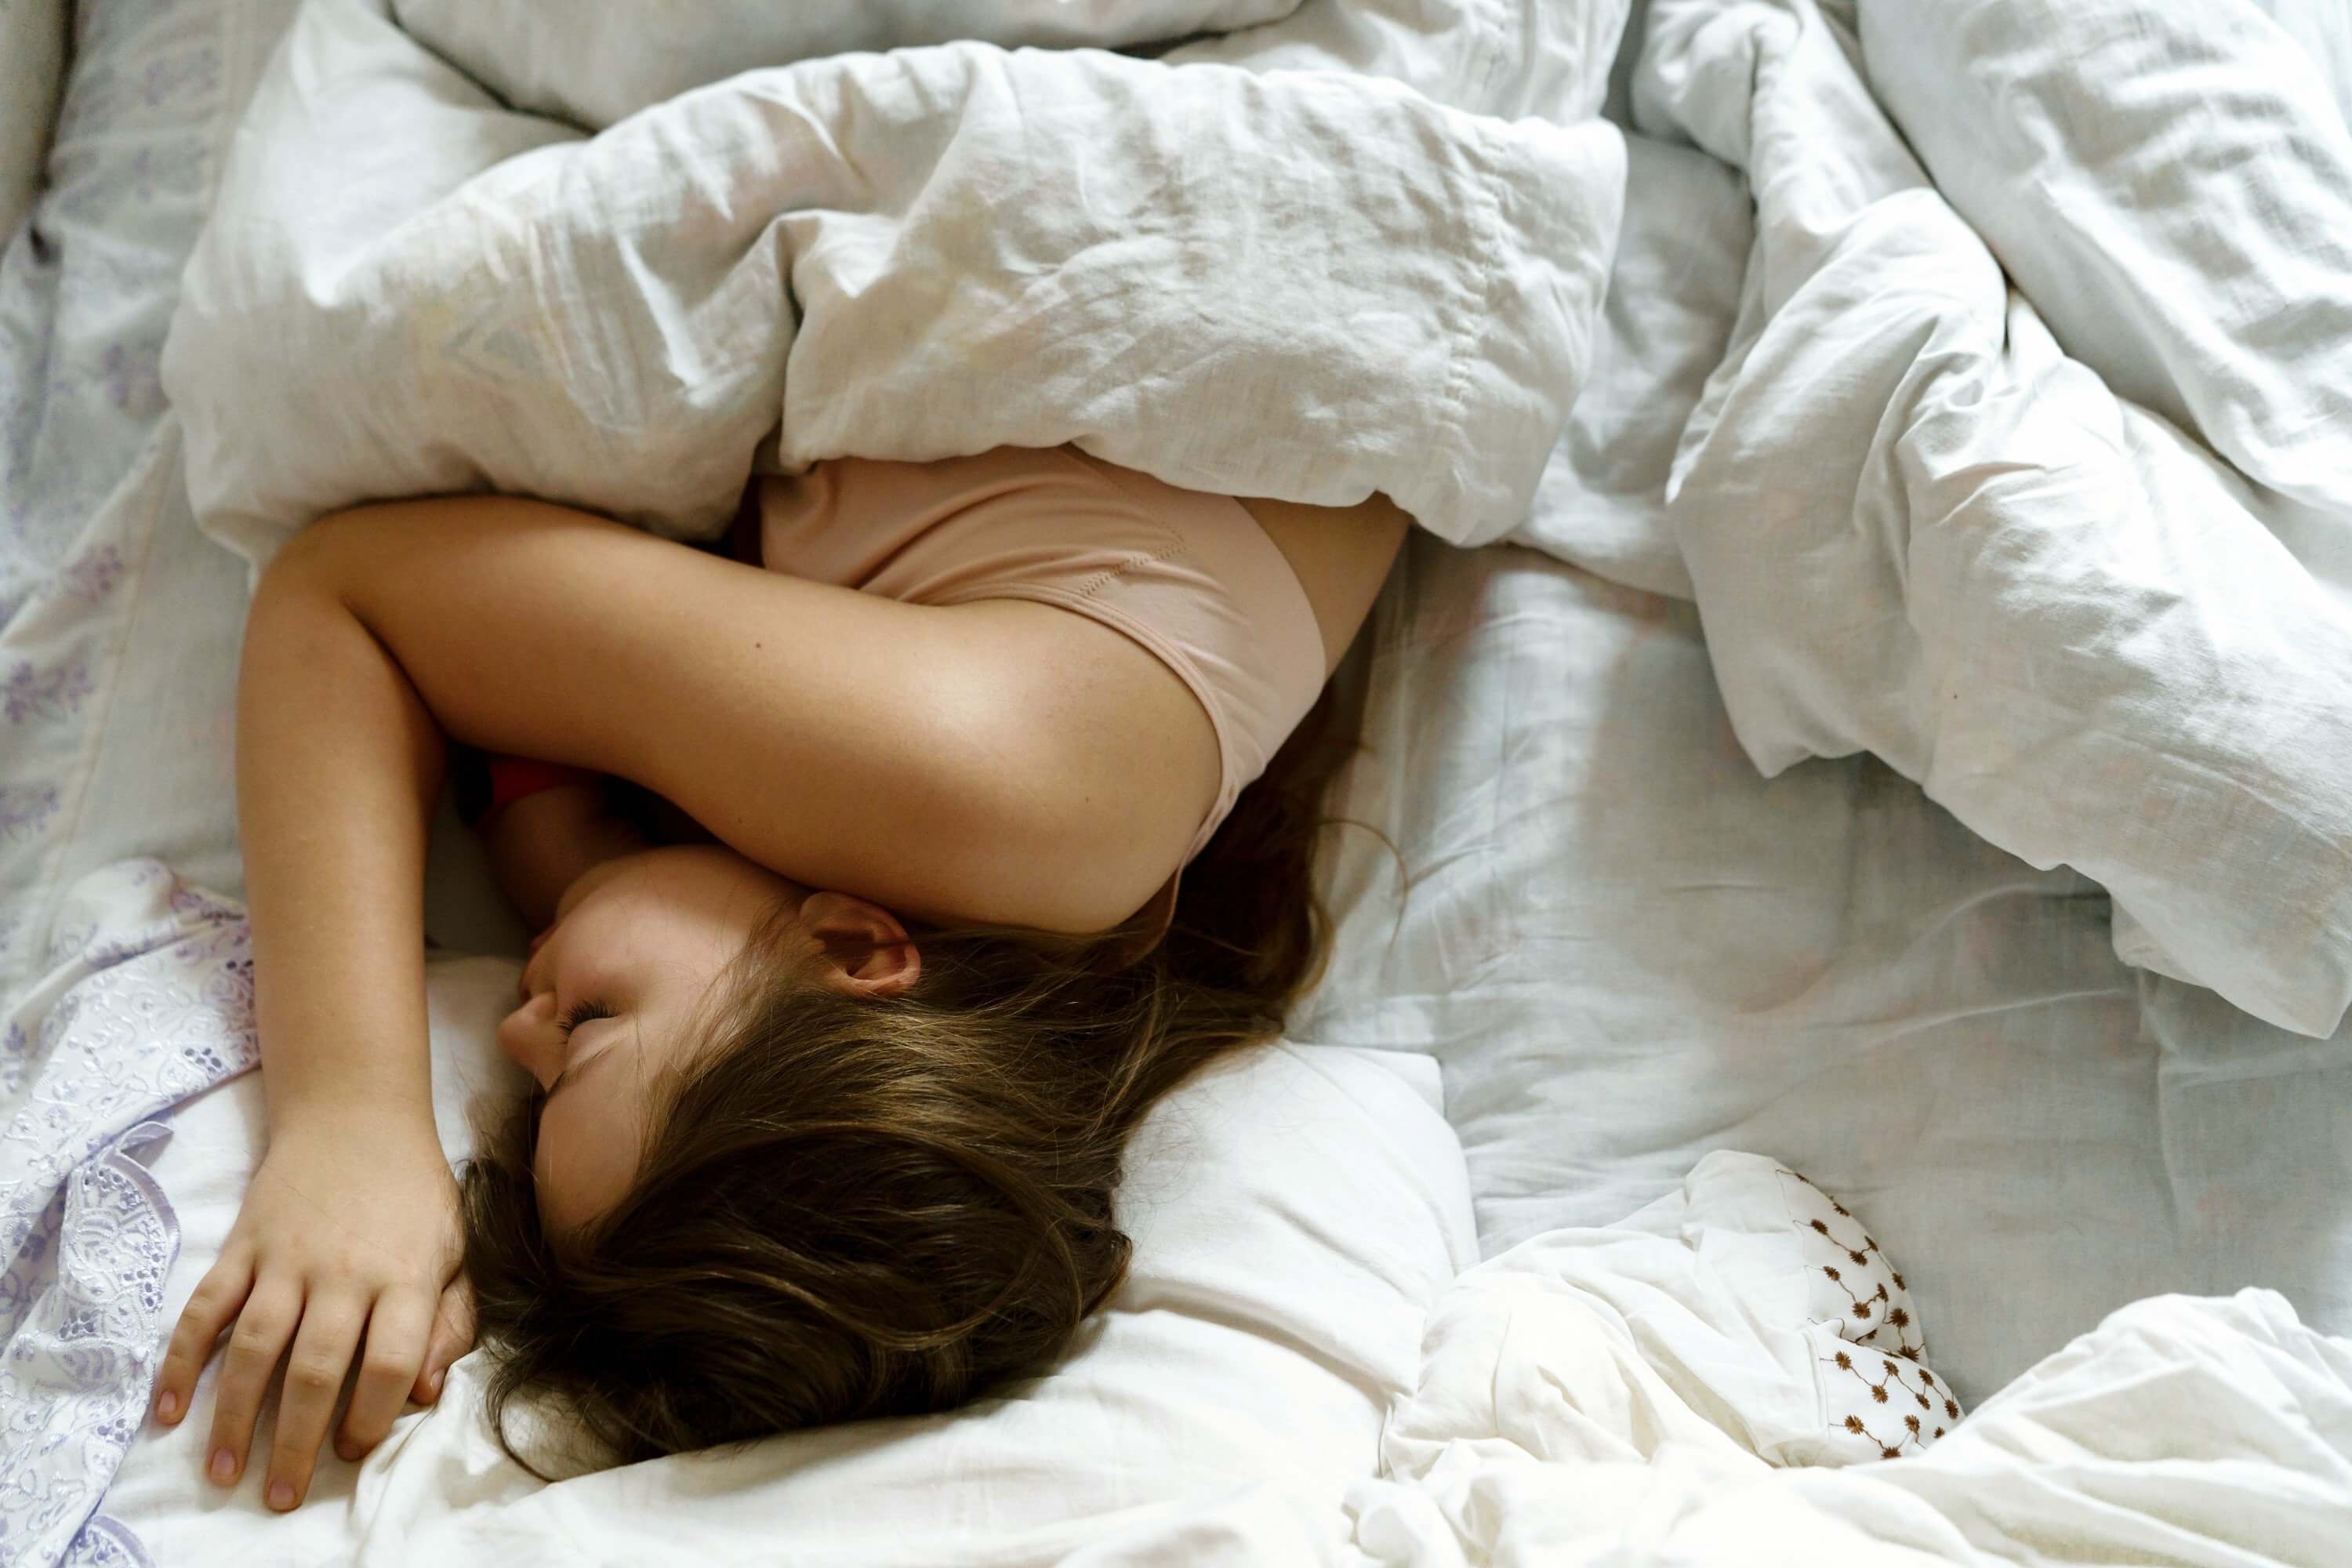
x=339, y=763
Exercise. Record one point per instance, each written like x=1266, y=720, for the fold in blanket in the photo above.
x=1918, y=523
x=1311, y=285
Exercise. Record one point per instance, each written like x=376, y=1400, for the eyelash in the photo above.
x=581, y=1013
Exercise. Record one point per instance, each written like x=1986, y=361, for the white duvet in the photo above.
x=1309, y=284
x=1923, y=513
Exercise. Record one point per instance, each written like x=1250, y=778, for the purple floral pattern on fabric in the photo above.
x=152, y=1002
x=57, y=692
x=90, y=578
x=87, y=283
x=26, y=808
x=129, y=990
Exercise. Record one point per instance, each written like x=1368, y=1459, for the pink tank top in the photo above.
x=1190, y=575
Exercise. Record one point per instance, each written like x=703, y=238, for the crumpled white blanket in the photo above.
x=2029, y=465
x=1698, y=1385
x=1310, y=284
x=2181, y=1431
x=1674, y=1391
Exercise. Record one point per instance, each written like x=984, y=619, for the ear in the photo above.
x=866, y=951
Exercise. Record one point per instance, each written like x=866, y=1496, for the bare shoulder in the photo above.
x=948, y=762
x=1341, y=555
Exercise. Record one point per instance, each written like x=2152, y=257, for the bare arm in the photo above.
x=338, y=766
x=994, y=761
x=347, y=1244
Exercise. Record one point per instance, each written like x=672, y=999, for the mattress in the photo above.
x=1568, y=888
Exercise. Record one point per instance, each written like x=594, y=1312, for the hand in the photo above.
x=539, y=846
x=351, y=1226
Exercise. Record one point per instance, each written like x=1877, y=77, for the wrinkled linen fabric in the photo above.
x=1696, y=1384
x=1917, y=524
x=1309, y=284
x=148, y=1001
x=2182, y=1430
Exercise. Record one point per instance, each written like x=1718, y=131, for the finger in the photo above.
x=254, y=1346
x=397, y=1334
x=323, y=1346
x=218, y=1295
x=453, y=1336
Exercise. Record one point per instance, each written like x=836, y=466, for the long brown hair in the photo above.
x=853, y=1208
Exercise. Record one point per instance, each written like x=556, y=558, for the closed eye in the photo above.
x=581, y=1013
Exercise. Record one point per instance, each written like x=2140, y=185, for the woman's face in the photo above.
x=643, y=936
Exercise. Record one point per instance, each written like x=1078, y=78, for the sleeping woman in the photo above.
x=886, y=865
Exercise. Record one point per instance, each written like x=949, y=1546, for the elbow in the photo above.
x=313, y=557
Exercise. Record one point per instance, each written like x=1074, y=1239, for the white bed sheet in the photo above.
x=1623, y=946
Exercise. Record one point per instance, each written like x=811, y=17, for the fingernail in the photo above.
x=224, y=1464
x=433, y=1383
x=281, y=1494
x=168, y=1404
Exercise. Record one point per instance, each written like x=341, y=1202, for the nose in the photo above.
x=528, y=1035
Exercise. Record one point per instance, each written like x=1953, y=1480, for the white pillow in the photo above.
x=2171, y=186
x=1296, y=1210
x=32, y=69
x=538, y=56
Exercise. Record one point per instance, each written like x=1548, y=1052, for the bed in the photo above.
x=1607, y=950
